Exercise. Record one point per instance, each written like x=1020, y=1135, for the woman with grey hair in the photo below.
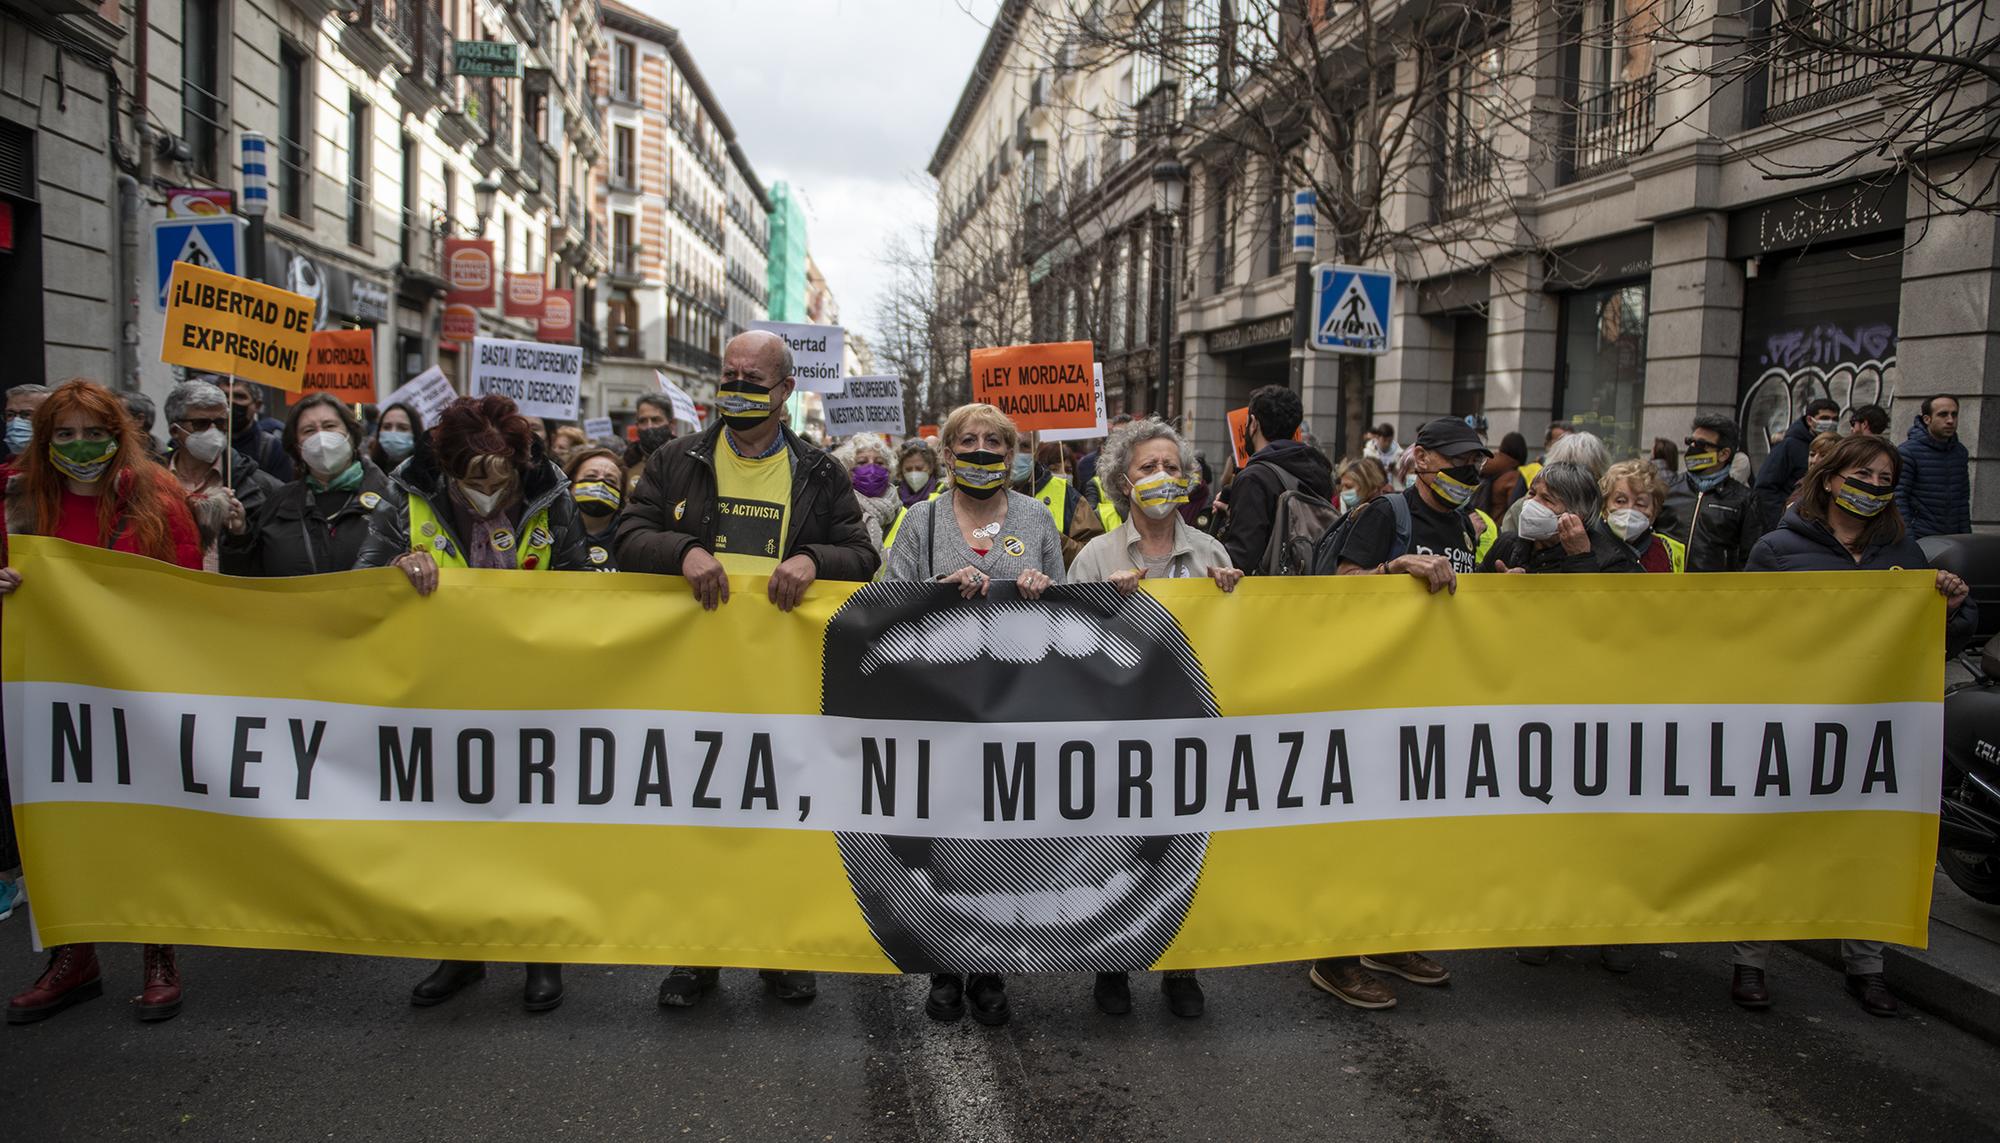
x=1148, y=470
x=1149, y=467
x=1577, y=447
x=1559, y=529
x=865, y=456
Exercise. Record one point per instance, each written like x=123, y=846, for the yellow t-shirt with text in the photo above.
x=753, y=499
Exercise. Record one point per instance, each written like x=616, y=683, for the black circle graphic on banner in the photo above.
x=1084, y=653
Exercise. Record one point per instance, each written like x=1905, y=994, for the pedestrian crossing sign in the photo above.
x=1351, y=308
x=211, y=243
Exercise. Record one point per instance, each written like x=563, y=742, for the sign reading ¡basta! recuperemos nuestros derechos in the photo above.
x=544, y=380
x=221, y=323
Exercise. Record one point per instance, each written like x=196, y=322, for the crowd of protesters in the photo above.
x=323, y=491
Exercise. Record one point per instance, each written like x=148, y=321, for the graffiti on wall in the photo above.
x=1852, y=364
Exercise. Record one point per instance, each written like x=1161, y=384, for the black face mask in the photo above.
x=745, y=405
x=651, y=439
x=240, y=420
x=979, y=474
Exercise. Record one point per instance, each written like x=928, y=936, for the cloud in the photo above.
x=845, y=100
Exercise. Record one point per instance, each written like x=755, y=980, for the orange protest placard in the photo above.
x=1048, y=386
x=1238, y=420
x=342, y=362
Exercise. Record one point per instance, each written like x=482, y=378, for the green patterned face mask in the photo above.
x=83, y=460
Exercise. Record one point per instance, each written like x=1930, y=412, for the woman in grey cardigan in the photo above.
x=975, y=532
x=978, y=530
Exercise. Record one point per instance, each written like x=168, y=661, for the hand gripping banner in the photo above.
x=589, y=768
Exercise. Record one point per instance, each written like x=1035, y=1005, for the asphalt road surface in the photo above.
x=285, y=1046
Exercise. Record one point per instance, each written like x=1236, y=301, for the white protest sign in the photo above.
x=1103, y=425
x=598, y=428
x=816, y=353
x=544, y=380
x=866, y=405
x=428, y=393
x=683, y=404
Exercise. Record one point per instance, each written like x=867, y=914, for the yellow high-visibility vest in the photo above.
x=533, y=548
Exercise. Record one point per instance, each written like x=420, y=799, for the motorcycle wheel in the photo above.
x=1978, y=874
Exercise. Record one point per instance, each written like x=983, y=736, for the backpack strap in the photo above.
x=1399, y=506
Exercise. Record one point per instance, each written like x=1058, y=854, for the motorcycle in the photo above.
x=1969, y=812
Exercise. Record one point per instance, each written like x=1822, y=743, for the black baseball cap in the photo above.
x=1452, y=438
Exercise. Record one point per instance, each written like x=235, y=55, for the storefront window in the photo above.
x=1604, y=364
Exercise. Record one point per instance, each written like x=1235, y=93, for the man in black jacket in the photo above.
x=746, y=497
x=1275, y=414
x=1714, y=513
x=1786, y=465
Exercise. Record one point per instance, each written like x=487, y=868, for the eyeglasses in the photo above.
x=203, y=424
x=1696, y=445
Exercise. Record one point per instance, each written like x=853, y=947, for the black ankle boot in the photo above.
x=544, y=990
x=446, y=980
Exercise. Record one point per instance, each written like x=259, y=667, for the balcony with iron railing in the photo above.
x=383, y=33
x=625, y=263
x=1825, y=52
x=699, y=220
x=422, y=241
x=697, y=293
x=690, y=356
x=430, y=52
x=1607, y=128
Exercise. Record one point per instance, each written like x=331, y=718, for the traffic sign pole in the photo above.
x=1305, y=236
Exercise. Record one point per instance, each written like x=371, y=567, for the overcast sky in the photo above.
x=843, y=99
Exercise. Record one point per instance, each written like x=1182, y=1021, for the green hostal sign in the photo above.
x=486, y=59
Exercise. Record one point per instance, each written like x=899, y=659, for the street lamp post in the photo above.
x=483, y=193
x=1169, y=186
x=970, y=327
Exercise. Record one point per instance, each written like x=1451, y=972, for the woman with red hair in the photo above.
x=478, y=492
x=86, y=477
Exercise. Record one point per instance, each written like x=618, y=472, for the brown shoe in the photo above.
x=1413, y=967
x=1351, y=983
x=161, y=999
x=72, y=976
x=1748, y=990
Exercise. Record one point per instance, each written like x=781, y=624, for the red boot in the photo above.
x=162, y=998
x=72, y=976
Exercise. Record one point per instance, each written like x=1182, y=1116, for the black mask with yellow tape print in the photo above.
x=744, y=405
x=1084, y=653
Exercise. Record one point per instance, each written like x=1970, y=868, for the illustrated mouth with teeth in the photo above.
x=1084, y=653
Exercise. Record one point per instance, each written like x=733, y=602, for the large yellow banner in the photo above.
x=589, y=768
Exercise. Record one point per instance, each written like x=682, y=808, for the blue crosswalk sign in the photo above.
x=216, y=243
x=1351, y=309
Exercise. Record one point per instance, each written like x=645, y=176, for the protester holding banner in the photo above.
x=87, y=479
x=317, y=523
x=866, y=458
x=395, y=437
x=1277, y=463
x=597, y=484
x=1147, y=469
x=1147, y=466
x=1560, y=529
x=1846, y=520
x=976, y=532
x=747, y=497
x=225, y=492
x=479, y=492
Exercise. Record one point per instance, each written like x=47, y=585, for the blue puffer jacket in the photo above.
x=1935, y=494
x=1799, y=544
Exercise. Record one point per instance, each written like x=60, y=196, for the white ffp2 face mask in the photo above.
x=205, y=445
x=327, y=453
x=1628, y=524
x=1538, y=521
